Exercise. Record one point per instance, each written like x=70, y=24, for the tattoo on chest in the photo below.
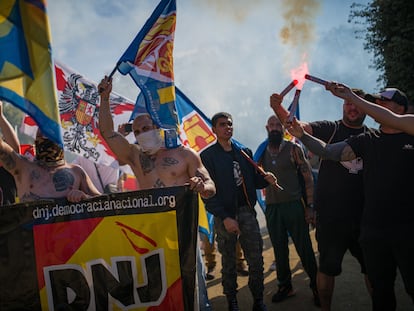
x=159, y=184
x=29, y=196
x=63, y=179
x=169, y=161
x=34, y=175
x=147, y=163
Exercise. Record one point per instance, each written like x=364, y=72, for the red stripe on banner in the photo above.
x=173, y=298
x=56, y=243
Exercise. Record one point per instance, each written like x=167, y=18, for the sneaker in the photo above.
x=259, y=305
x=210, y=275
x=273, y=266
x=232, y=303
x=316, y=300
x=283, y=293
x=242, y=270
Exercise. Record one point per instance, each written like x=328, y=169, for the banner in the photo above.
x=26, y=67
x=79, y=103
x=131, y=250
x=149, y=62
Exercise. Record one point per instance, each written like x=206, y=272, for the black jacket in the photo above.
x=219, y=164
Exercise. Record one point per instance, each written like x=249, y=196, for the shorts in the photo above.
x=334, y=239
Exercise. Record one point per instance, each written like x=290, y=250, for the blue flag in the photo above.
x=149, y=61
x=26, y=66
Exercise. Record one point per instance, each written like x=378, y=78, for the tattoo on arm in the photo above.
x=334, y=152
x=114, y=135
x=8, y=160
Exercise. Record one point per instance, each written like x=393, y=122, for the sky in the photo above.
x=228, y=55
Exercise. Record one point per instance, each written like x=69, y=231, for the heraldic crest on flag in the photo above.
x=79, y=102
x=149, y=61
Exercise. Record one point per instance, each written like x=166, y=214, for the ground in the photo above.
x=350, y=292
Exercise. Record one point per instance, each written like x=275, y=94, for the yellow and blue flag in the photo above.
x=149, y=61
x=26, y=66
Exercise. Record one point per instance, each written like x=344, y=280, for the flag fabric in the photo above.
x=149, y=61
x=79, y=103
x=195, y=132
x=26, y=66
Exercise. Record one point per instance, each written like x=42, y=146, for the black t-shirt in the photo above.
x=7, y=188
x=339, y=190
x=388, y=180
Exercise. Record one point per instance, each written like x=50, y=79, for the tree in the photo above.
x=389, y=35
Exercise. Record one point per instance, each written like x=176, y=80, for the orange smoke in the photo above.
x=299, y=18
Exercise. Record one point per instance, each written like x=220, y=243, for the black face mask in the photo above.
x=48, y=152
x=275, y=137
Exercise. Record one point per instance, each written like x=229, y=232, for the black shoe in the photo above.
x=316, y=300
x=283, y=293
x=211, y=273
x=259, y=305
x=242, y=270
x=232, y=302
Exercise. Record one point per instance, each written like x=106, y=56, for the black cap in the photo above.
x=389, y=94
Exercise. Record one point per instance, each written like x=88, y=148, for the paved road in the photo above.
x=350, y=292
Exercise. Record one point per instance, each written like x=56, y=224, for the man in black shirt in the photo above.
x=338, y=199
x=387, y=233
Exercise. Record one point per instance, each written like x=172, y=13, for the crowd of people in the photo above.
x=360, y=201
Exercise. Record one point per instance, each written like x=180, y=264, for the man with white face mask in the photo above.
x=154, y=165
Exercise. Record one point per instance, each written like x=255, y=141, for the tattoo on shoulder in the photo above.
x=63, y=179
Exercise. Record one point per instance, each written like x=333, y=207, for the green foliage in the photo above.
x=387, y=27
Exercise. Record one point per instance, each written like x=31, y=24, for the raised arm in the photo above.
x=382, y=115
x=9, y=135
x=116, y=141
x=340, y=151
x=283, y=114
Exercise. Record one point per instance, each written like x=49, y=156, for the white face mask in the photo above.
x=150, y=141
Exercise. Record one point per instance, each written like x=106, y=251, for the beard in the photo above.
x=275, y=138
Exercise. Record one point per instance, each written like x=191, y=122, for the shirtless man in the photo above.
x=49, y=176
x=153, y=165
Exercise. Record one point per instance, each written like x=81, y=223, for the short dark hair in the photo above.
x=219, y=115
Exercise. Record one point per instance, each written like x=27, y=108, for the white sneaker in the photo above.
x=273, y=266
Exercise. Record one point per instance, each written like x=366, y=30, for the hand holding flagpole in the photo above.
x=101, y=89
x=258, y=168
